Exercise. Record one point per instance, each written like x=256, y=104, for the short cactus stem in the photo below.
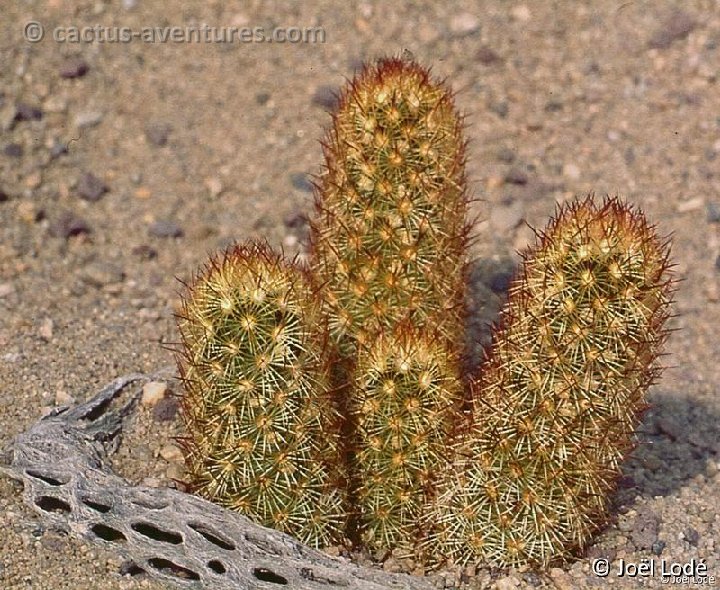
x=559, y=396
x=262, y=428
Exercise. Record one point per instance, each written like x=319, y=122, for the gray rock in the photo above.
x=100, y=274
x=164, y=228
x=158, y=133
x=645, y=527
x=677, y=26
x=73, y=67
x=68, y=224
x=90, y=187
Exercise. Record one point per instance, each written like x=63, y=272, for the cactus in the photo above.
x=331, y=401
x=262, y=429
x=388, y=246
x=558, y=397
x=390, y=234
x=405, y=398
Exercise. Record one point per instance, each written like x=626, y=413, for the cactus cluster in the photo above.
x=328, y=400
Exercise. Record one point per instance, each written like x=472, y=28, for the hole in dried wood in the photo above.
x=51, y=504
x=265, y=575
x=212, y=536
x=53, y=480
x=216, y=566
x=97, y=506
x=168, y=567
x=107, y=533
x=153, y=532
x=130, y=568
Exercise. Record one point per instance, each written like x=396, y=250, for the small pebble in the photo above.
x=521, y=12
x=73, y=67
x=262, y=98
x=101, y=274
x=506, y=155
x=34, y=180
x=295, y=219
x=657, y=547
x=90, y=187
x=157, y=133
x=4, y=196
x=290, y=241
x=153, y=392
x=166, y=409
x=692, y=537
x=214, y=186
x=487, y=56
x=46, y=329
x=58, y=148
x=145, y=252
x=516, y=176
x=300, y=181
x=88, y=119
x=570, y=170
x=67, y=224
x=63, y=398
x=677, y=26
x=6, y=289
x=26, y=112
x=713, y=212
x=13, y=150
x=464, y=23
x=171, y=453
x=690, y=205
x=164, y=228
x=326, y=97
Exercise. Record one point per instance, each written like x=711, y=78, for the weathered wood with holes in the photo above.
x=173, y=536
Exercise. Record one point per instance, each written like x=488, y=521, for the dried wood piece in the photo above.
x=173, y=536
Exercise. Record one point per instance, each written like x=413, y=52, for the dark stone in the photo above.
x=500, y=108
x=58, y=148
x=487, y=56
x=629, y=156
x=713, y=212
x=90, y=187
x=326, y=97
x=717, y=261
x=295, y=219
x=657, y=547
x=158, y=133
x=73, y=67
x=166, y=409
x=67, y=224
x=164, y=228
x=145, y=252
x=4, y=196
x=506, y=155
x=25, y=112
x=301, y=182
x=553, y=106
x=262, y=98
x=13, y=150
x=692, y=537
x=516, y=176
x=677, y=26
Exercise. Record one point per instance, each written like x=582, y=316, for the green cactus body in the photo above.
x=388, y=248
x=561, y=391
x=262, y=431
x=390, y=233
x=405, y=398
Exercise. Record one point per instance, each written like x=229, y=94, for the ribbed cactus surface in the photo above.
x=262, y=428
x=558, y=398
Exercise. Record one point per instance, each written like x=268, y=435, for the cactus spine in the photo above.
x=388, y=246
x=261, y=426
x=561, y=391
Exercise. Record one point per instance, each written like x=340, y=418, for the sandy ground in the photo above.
x=122, y=165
